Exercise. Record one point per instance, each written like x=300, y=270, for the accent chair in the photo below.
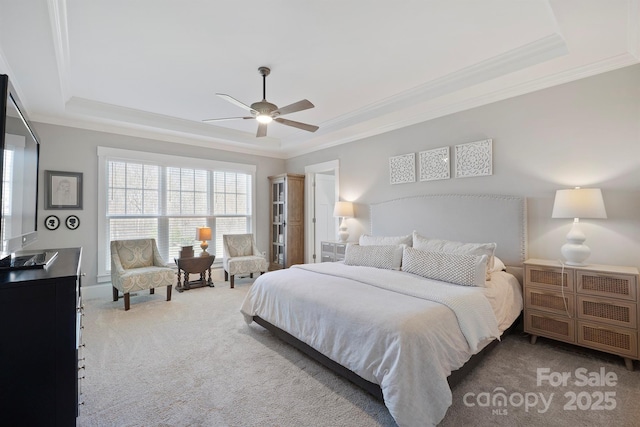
x=136, y=265
x=241, y=256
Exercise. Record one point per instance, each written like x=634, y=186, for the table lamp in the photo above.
x=343, y=210
x=577, y=203
x=203, y=234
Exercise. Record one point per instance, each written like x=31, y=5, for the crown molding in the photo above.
x=60, y=36
x=530, y=54
x=429, y=111
x=166, y=135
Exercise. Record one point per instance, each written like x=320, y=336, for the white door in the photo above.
x=325, y=196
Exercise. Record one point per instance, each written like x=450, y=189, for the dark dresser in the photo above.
x=40, y=339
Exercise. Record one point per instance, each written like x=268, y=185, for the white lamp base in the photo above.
x=204, y=245
x=343, y=234
x=575, y=251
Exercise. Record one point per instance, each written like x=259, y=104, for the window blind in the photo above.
x=168, y=202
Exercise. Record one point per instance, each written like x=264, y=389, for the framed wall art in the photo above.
x=72, y=222
x=52, y=222
x=434, y=164
x=474, y=159
x=402, y=169
x=63, y=190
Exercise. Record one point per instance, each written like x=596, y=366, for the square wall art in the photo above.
x=402, y=169
x=434, y=164
x=474, y=159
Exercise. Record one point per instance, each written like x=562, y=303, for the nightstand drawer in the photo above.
x=549, y=277
x=544, y=300
x=615, y=312
x=327, y=247
x=607, y=285
x=550, y=325
x=615, y=340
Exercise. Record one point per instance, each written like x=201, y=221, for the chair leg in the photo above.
x=115, y=294
x=127, y=301
x=231, y=281
x=169, y=292
x=251, y=275
x=152, y=291
x=226, y=275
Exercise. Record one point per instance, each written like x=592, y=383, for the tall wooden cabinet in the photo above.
x=41, y=323
x=287, y=221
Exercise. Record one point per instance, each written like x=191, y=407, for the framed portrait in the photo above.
x=63, y=190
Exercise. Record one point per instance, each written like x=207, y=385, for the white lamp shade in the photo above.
x=343, y=209
x=579, y=203
x=203, y=233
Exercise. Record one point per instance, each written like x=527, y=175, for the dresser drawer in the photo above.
x=550, y=325
x=607, y=285
x=341, y=249
x=614, y=312
x=553, y=302
x=611, y=339
x=552, y=278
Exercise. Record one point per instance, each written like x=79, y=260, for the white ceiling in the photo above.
x=152, y=68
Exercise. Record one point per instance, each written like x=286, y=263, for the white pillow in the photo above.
x=498, y=265
x=459, y=269
x=379, y=256
x=452, y=247
x=367, y=240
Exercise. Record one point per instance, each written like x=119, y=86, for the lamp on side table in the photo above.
x=203, y=234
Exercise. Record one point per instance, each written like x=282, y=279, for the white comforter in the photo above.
x=395, y=329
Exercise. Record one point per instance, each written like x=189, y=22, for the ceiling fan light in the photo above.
x=264, y=118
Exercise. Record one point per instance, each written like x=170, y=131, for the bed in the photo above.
x=405, y=337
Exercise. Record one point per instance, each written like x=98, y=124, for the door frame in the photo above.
x=309, y=211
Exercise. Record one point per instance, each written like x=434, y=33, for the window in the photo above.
x=167, y=197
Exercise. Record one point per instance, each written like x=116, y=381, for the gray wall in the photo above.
x=75, y=150
x=585, y=133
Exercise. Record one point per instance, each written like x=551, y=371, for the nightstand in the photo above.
x=332, y=251
x=594, y=306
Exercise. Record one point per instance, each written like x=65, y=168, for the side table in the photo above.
x=194, y=265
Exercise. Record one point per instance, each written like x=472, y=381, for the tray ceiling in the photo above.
x=152, y=69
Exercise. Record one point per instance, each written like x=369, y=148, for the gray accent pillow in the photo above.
x=449, y=246
x=459, y=269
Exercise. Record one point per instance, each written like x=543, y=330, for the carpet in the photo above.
x=193, y=361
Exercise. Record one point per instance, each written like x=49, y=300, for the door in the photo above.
x=325, y=196
x=327, y=171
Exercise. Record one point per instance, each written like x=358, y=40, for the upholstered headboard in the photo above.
x=461, y=217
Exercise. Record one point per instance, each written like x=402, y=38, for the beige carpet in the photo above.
x=194, y=362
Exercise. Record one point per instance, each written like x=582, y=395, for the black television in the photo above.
x=19, y=158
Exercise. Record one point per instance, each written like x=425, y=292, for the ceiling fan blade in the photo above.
x=303, y=126
x=227, y=118
x=296, y=106
x=232, y=100
x=262, y=130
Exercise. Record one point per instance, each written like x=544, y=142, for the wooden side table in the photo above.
x=194, y=265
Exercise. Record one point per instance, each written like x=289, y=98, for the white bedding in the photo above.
x=407, y=344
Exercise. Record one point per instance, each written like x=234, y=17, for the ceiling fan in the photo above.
x=265, y=112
